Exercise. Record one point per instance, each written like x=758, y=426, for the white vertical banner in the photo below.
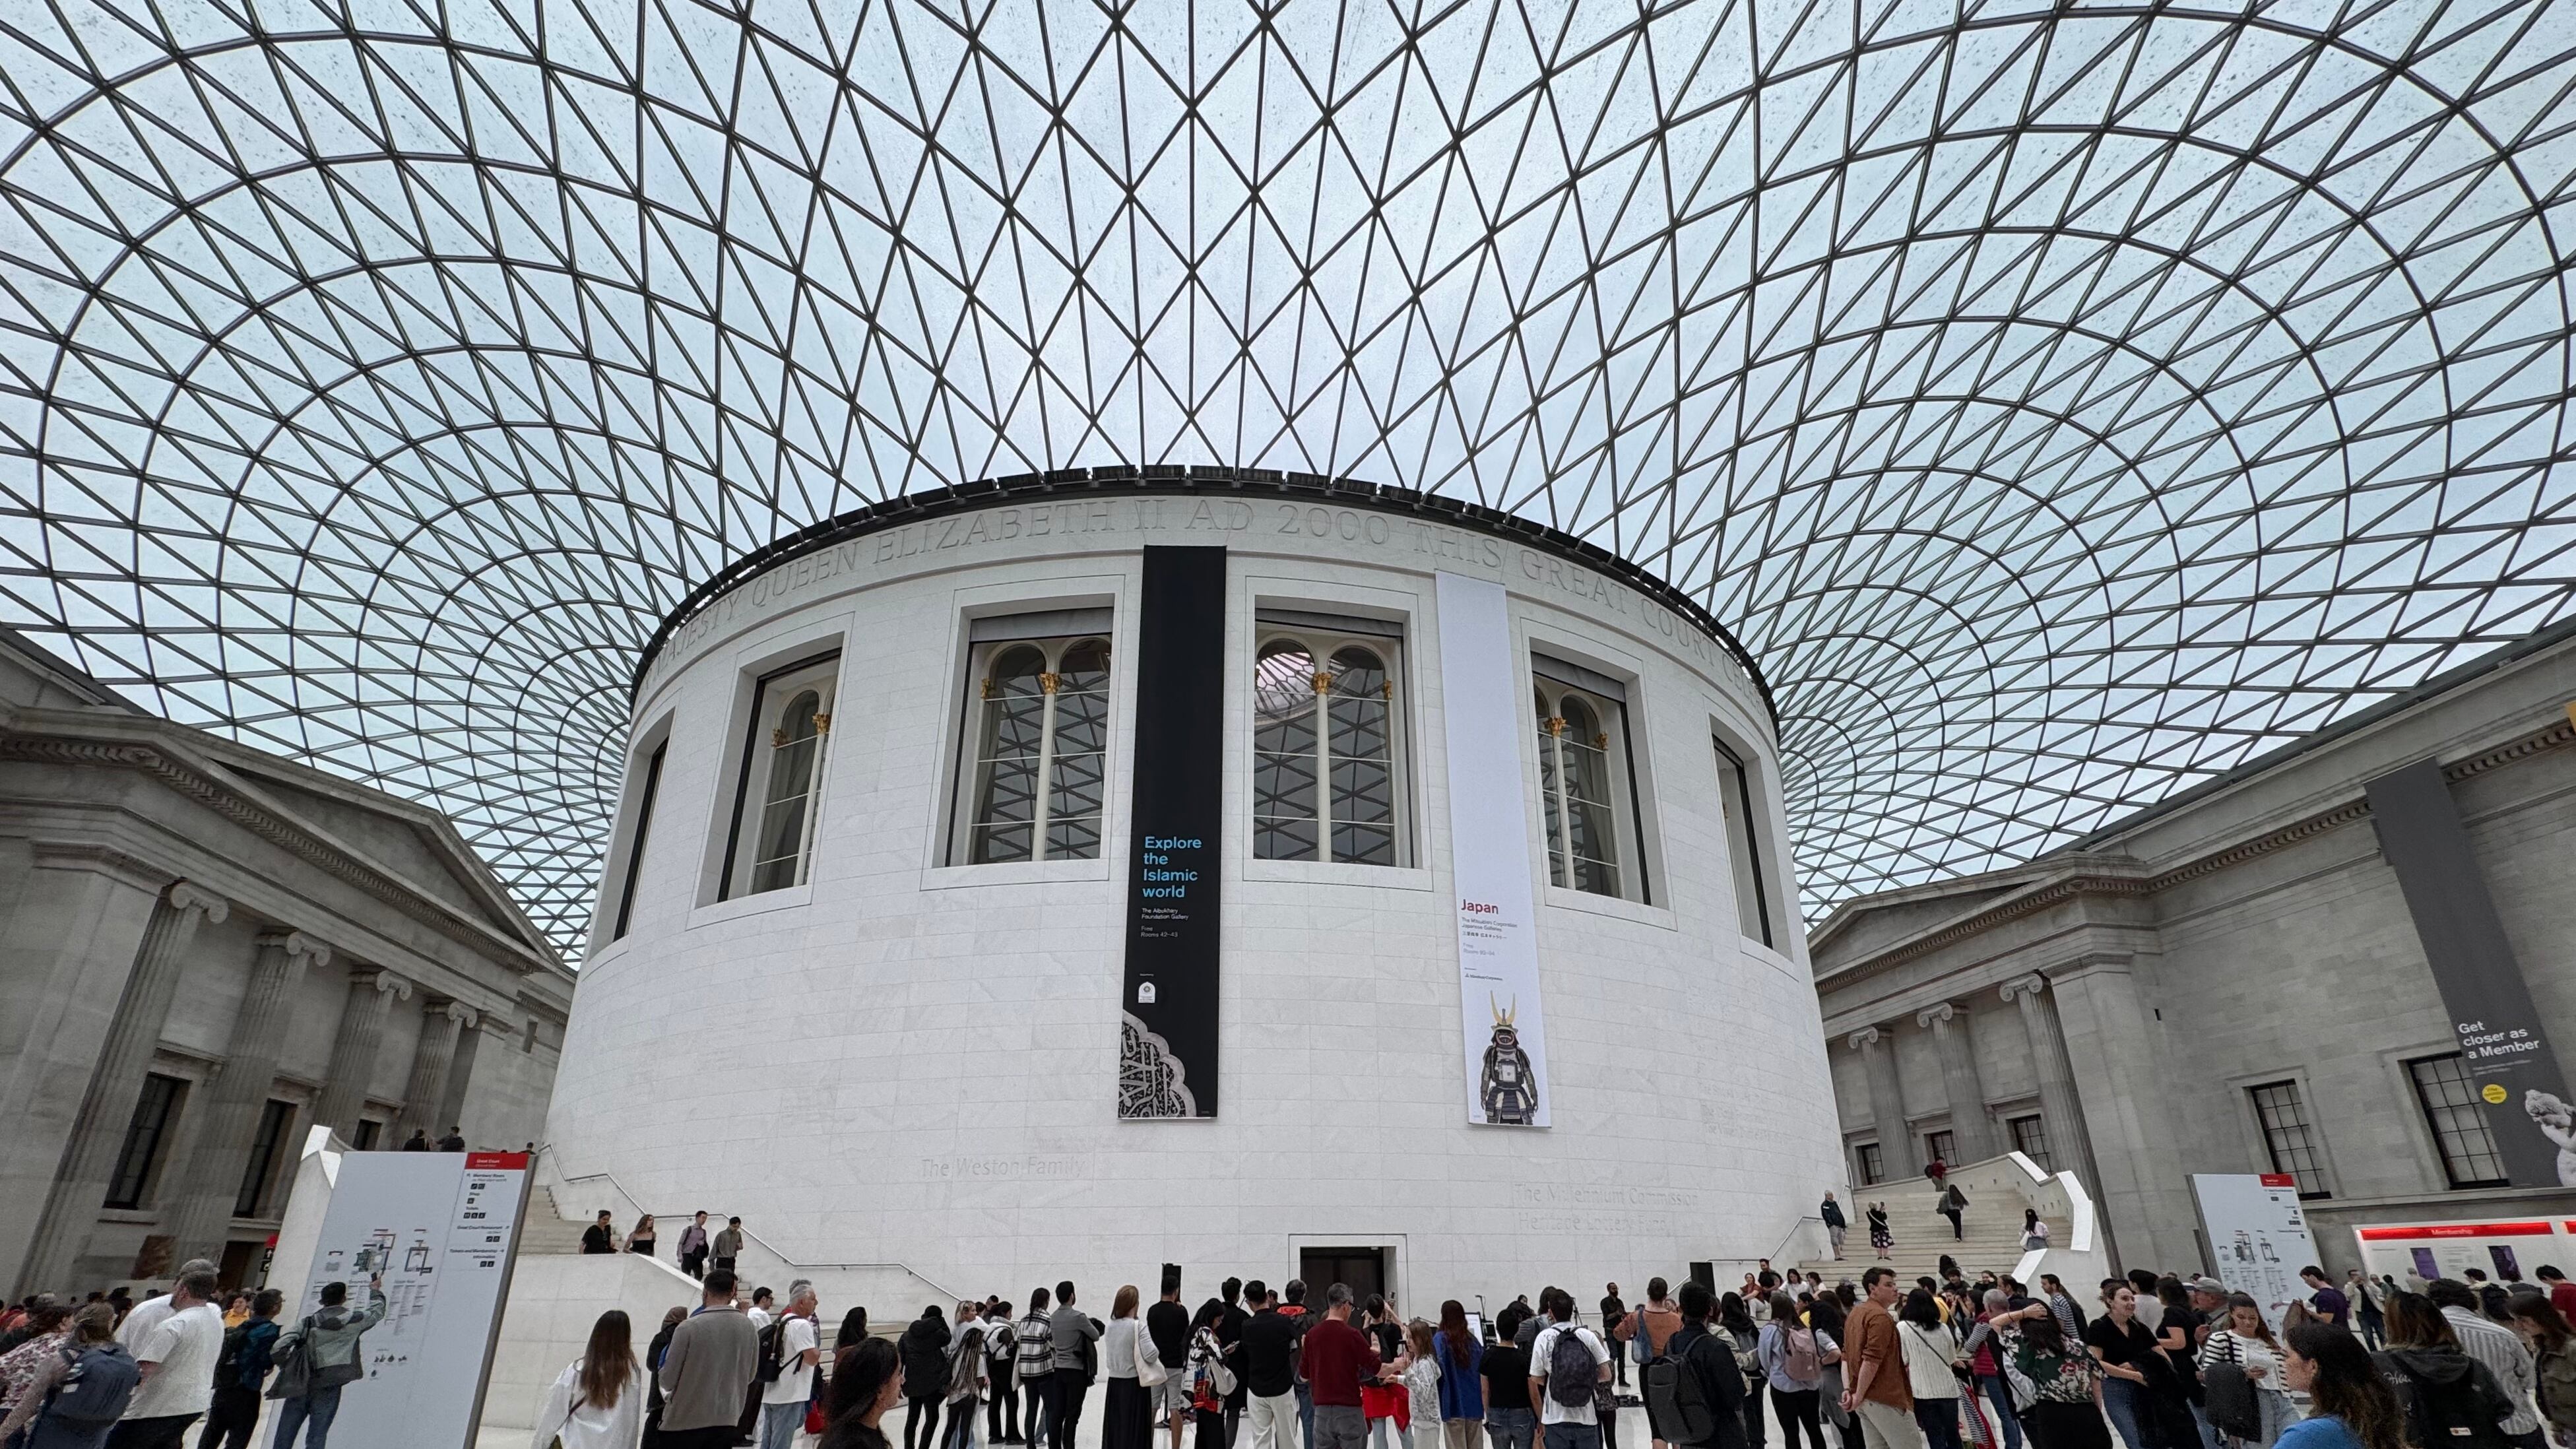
x=1485, y=713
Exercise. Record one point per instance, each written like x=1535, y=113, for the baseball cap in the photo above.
x=2207, y=1284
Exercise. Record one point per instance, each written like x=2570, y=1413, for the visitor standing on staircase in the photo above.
x=1953, y=1203
x=728, y=1245
x=1879, y=1236
x=1835, y=1224
x=1879, y=1392
x=693, y=1248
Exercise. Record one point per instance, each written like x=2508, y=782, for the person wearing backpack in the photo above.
x=316, y=1359
x=789, y=1347
x=1792, y=1356
x=2553, y=1366
x=240, y=1375
x=1695, y=1394
x=2452, y=1401
x=1567, y=1390
x=2486, y=1338
x=76, y=1399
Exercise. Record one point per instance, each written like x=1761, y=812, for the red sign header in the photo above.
x=2457, y=1230
x=517, y=1160
x=2280, y=1179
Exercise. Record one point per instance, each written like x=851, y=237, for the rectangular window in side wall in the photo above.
x=1329, y=756
x=627, y=867
x=1739, y=797
x=778, y=783
x=1033, y=738
x=1588, y=799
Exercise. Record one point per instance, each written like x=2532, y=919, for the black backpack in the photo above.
x=1677, y=1403
x=228, y=1362
x=2458, y=1413
x=773, y=1349
x=1572, y=1372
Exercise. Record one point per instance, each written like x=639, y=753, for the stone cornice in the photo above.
x=177, y=773
x=2088, y=878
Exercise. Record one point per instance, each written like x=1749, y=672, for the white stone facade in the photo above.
x=907, y=1060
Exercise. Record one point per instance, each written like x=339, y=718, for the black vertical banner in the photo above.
x=2507, y=1055
x=1167, y=1033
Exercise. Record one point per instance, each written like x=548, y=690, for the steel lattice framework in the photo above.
x=2064, y=401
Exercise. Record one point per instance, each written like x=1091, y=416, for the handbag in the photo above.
x=295, y=1371
x=1150, y=1372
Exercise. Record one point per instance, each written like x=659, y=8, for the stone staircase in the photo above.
x=1991, y=1224
x=546, y=1230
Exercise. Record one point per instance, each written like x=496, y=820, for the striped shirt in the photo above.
x=2501, y=1350
x=1036, y=1336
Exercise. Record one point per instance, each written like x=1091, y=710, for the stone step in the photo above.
x=546, y=1230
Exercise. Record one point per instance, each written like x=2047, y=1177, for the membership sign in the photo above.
x=1486, y=709
x=1167, y=1037
x=439, y=1231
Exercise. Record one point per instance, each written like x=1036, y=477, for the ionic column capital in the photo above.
x=2031, y=985
x=1864, y=1039
x=1939, y=1011
x=187, y=895
x=296, y=943
x=460, y=1013
x=384, y=981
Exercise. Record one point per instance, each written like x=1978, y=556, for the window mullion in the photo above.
x=1045, y=786
x=1323, y=765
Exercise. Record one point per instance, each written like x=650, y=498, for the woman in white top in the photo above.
x=1930, y=1349
x=1127, y=1415
x=2246, y=1341
x=598, y=1401
x=2034, y=1233
x=1422, y=1376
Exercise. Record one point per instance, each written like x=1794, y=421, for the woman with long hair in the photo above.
x=2057, y=1384
x=92, y=1330
x=2034, y=1233
x=966, y=1378
x=1422, y=1375
x=45, y=1333
x=854, y=1328
x=1127, y=1421
x=2246, y=1341
x=2553, y=1350
x=2350, y=1405
x=597, y=1401
x=866, y=1383
x=1792, y=1357
x=1735, y=1325
x=1462, y=1383
x=2125, y=1347
x=1825, y=1315
x=641, y=1240
x=2426, y=1364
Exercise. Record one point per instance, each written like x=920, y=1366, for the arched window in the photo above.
x=1325, y=770
x=1578, y=790
x=1041, y=751
x=771, y=844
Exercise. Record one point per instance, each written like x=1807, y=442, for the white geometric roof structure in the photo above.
x=2063, y=402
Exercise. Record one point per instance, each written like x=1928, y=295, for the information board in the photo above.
x=2257, y=1234
x=440, y=1230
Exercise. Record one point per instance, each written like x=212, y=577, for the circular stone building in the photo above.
x=1273, y=876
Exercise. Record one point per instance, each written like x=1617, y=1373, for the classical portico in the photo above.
x=209, y=951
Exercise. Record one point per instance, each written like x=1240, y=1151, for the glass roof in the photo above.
x=2064, y=401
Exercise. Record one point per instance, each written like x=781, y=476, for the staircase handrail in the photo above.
x=567, y=1179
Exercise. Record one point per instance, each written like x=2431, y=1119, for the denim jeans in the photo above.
x=1306, y=1414
x=313, y=1415
x=2121, y=1401
x=1511, y=1428
x=779, y=1423
x=1999, y=1399
x=1571, y=1436
x=1940, y=1421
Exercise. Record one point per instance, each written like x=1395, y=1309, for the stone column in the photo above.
x=1971, y=1130
x=442, y=1022
x=1886, y=1101
x=230, y=1123
x=372, y=993
x=2060, y=1112
x=98, y=1133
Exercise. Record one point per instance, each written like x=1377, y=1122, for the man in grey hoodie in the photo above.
x=331, y=1337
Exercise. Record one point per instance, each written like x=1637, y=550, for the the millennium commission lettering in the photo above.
x=1168, y=1029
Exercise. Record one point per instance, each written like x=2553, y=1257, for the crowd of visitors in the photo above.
x=1945, y=1362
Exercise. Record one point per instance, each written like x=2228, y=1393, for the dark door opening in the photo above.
x=1363, y=1270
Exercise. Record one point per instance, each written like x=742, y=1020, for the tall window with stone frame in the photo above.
x=1327, y=758
x=779, y=784
x=2458, y=1121
x=265, y=1147
x=2289, y=1138
x=2030, y=1139
x=1587, y=790
x=1036, y=743
x=1744, y=843
x=1873, y=1164
x=156, y=1110
x=1943, y=1145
